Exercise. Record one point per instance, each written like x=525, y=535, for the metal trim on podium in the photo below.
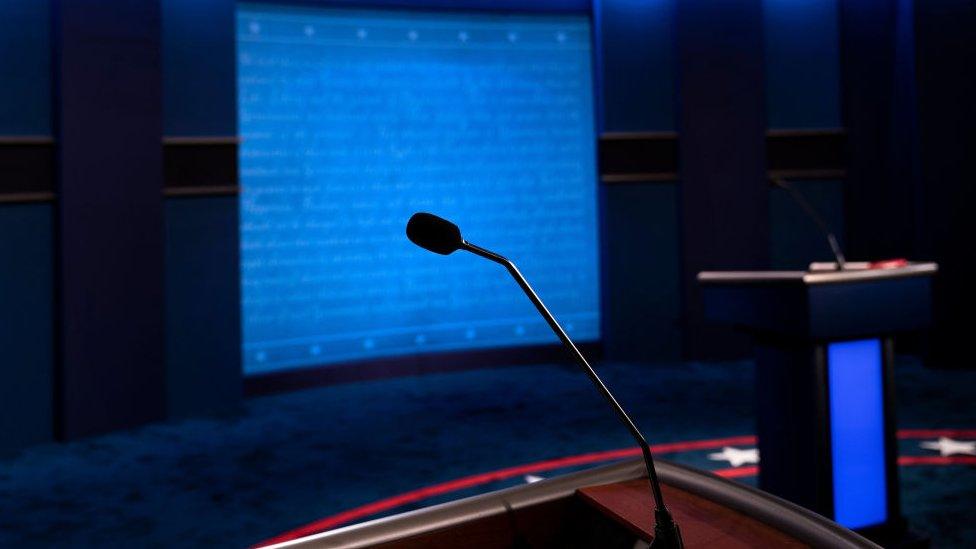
x=804, y=526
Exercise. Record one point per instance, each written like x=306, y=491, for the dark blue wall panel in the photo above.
x=202, y=282
x=26, y=252
x=25, y=67
x=640, y=258
x=641, y=268
x=803, y=92
x=203, y=327
x=802, y=63
x=795, y=240
x=199, y=89
x=636, y=61
x=25, y=325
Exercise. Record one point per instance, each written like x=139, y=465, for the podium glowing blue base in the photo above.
x=825, y=399
x=855, y=381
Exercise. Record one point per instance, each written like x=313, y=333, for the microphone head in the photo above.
x=434, y=233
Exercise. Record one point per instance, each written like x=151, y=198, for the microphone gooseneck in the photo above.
x=815, y=217
x=439, y=235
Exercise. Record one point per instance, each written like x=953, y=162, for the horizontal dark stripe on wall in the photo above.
x=653, y=156
x=207, y=166
x=806, y=154
x=202, y=190
x=638, y=157
x=26, y=169
x=200, y=166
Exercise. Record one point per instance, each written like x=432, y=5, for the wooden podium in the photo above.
x=824, y=350
x=607, y=507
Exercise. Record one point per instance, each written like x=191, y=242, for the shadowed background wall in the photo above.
x=131, y=188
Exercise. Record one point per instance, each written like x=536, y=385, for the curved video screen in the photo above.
x=352, y=120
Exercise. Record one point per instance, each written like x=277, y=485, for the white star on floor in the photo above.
x=735, y=456
x=947, y=446
x=532, y=478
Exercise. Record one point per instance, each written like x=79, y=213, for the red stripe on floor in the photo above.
x=502, y=474
x=937, y=460
x=936, y=433
x=738, y=472
x=413, y=496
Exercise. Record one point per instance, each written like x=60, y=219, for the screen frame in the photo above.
x=542, y=7
x=314, y=375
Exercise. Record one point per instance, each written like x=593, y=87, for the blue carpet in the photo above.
x=290, y=459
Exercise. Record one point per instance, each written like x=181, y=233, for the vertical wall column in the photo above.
x=640, y=239
x=947, y=122
x=803, y=101
x=877, y=78
x=26, y=254
x=110, y=237
x=203, y=327
x=723, y=212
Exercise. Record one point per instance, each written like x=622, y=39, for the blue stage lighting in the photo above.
x=857, y=432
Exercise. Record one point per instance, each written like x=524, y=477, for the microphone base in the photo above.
x=667, y=535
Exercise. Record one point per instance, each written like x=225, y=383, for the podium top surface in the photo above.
x=814, y=277
x=703, y=523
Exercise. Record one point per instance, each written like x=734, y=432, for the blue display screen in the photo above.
x=352, y=120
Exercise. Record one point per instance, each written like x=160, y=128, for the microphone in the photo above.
x=815, y=217
x=443, y=237
x=434, y=234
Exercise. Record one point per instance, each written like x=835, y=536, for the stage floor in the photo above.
x=304, y=461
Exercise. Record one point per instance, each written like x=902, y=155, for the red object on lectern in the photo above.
x=888, y=263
